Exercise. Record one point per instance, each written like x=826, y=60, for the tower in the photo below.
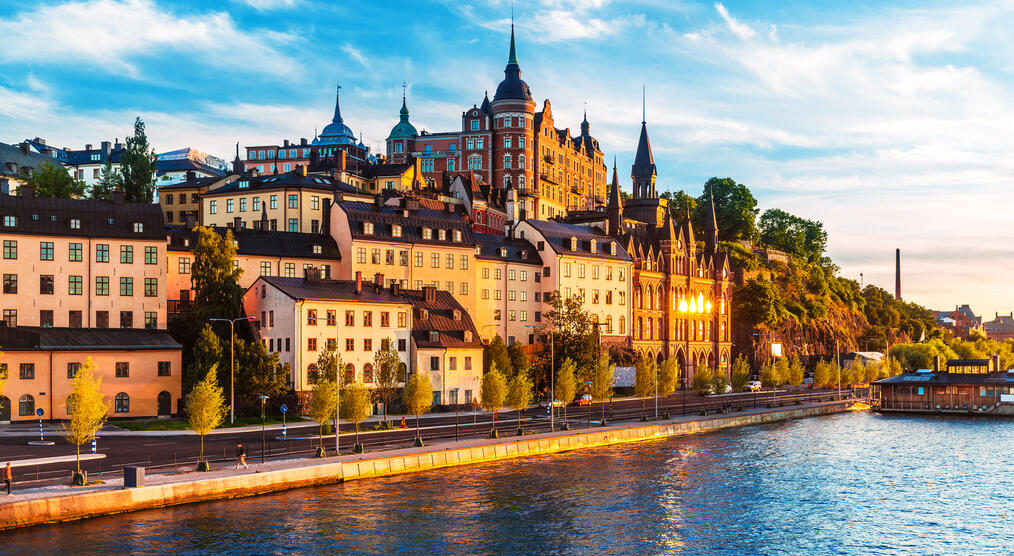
x=401, y=140
x=513, y=117
x=643, y=171
x=614, y=209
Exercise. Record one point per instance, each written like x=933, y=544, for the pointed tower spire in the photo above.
x=614, y=208
x=643, y=171
x=711, y=224
x=512, y=59
x=337, y=106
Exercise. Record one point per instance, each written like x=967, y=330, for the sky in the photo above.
x=888, y=122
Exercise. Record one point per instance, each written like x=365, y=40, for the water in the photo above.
x=852, y=483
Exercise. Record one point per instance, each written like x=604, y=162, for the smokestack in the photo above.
x=897, y=274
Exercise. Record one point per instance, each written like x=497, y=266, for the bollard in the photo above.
x=93, y=444
x=42, y=437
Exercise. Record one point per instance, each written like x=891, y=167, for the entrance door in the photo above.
x=165, y=403
x=5, y=409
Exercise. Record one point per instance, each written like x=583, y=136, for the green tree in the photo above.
x=682, y=204
x=493, y=393
x=518, y=358
x=328, y=362
x=740, y=374
x=323, y=406
x=388, y=372
x=602, y=382
x=418, y=397
x=50, y=180
x=719, y=382
x=644, y=380
x=566, y=385
x=206, y=409
x=109, y=180
x=258, y=373
x=702, y=380
x=871, y=371
x=519, y=395
x=137, y=164
x=355, y=406
x=781, y=370
x=796, y=371
x=496, y=353
x=574, y=334
x=215, y=281
x=205, y=354
x=792, y=234
x=669, y=377
x=735, y=209
x=88, y=411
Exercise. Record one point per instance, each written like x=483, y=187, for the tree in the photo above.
x=680, y=205
x=215, y=281
x=574, y=334
x=872, y=371
x=109, y=180
x=796, y=371
x=50, y=180
x=205, y=354
x=493, y=393
x=496, y=353
x=88, y=410
x=328, y=362
x=735, y=209
x=702, y=380
x=781, y=370
x=669, y=377
x=821, y=374
x=644, y=380
x=518, y=358
x=740, y=374
x=566, y=385
x=519, y=395
x=323, y=402
x=206, y=409
x=768, y=374
x=418, y=397
x=387, y=370
x=719, y=382
x=258, y=373
x=356, y=398
x=792, y=234
x=137, y=163
x=602, y=381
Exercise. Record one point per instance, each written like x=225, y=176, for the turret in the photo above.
x=614, y=209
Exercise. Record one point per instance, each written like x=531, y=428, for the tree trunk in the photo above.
x=603, y=413
x=202, y=447
x=357, y=431
x=77, y=451
x=565, y=414
x=417, y=425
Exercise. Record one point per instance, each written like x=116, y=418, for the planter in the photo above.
x=80, y=479
x=204, y=466
x=358, y=449
x=565, y=427
x=418, y=442
x=521, y=431
x=494, y=434
x=321, y=452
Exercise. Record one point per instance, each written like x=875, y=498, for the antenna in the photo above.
x=403, y=91
x=512, y=14
x=643, y=92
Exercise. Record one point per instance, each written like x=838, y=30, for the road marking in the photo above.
x=161, y=444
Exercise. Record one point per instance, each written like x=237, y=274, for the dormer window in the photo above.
x=368, y=228
x=457, y=314
x=457, y=236
x=612, y=248
x=503, y=252
x=524, y=255
x=427, y=233
x=110, y=221
x=316, y=249
x=442, y=235
x=138, y=227
x=75, y=223
x=425, y=314
x=468, y=335
x=396, y=230
x=573, y=244
x=434, y=336
x=594, y=246
x=10, y=221
x=244, y=184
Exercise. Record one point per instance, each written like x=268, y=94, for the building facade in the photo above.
x=509, y=288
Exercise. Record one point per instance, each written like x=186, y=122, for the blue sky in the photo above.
x=890, y=123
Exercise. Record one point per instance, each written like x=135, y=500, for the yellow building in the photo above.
x=509, y=289
x=183, y=199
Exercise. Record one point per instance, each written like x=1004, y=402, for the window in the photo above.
x=150, y=287
x=293, y=201
x=403, y=258
x=385, y=319
x=46, y=318
x=367, y=344
x=74, y=319
x=265, y=268
x=126, y=286
x=273, y=202
x=389, y=256
x=101, y=319
x=566, y=270
x=350, y=318
x=350, y=344
x=418, y=259
x=150, y=320
x=293, y=224
x=26, y=406
x=122, y=369
x=368, y=228
x=242, y=204
x=434, y=363
x=10, y=221
x=10, y=283
x=46, y=250
x=151, y=255
x=10, y=249
x=311, y=344
x=184, y=265
x=368, y=373
x=332, y=319
x=367, y=318
x=290, y=270
x=311, y=317
x=127, y=254
x=375, y=256
x=101, y=285
x=122, y=403
x=256, y=203
x=27, y=371
x=126, y=319
x=213, y=207
x=229, y=205
x=435, y=260
x=74, y=254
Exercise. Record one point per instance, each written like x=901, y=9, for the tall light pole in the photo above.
x=232, y=364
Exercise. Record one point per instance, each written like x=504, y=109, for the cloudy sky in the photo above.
x=890, y=123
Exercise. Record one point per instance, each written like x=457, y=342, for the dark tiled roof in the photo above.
x=475, y=188
x=490, y=246
x=183, y=164
x=558, y=235
x=335, y=290
x=412, y=225
x=72, y=339
x=12, y=154
x=84, y=156
x=438, y=315
x=51, y=216
x=282, y=181
x=190, y=184
x=263, y=243
x=936, y=379
x=385, y=170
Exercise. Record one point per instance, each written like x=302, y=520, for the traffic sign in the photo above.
x=284, y=408
x=39, y=412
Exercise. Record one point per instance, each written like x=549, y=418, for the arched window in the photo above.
x=623, y=325
x=121, y=404
x=658, y=329
x=609, y=324
x=311, y=373
x=651, y=328
x=350, y=373
x=660, y=305
x=26, y=405
x=649, y=297
x=639, y=334
x=368, y=373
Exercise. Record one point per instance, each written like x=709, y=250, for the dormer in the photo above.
x=457, y=236
x=456, y=314
x=573, y=243
x=243, y=184
x=427, y=233
x=368, y=228
x=612, y=248
x=442, y=235
x=395, y=230
x=594, y=246
x=424, y=313
x=434, y=336
x=503, y=252
x=468, y=335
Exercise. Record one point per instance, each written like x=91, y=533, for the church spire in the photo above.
x=337, y=105
x=512, y=59
x=643, y=171
x=614, y=208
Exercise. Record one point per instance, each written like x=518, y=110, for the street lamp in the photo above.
x=262, y=399
x=232, y=364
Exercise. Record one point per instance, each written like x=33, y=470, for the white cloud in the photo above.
x=115, y=34
x=266, y=5
x=739, y=29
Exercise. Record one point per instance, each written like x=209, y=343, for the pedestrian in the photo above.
x=9, y=477
x=241, y=456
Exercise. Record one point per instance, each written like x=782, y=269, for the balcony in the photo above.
x=528, y=192
x=424, y=154
x=179, y=306
x=549, y=178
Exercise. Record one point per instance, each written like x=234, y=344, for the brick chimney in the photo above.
x=359, y=282
x=106, y=146
x=996, y=363
x=429, y=294
x=936, y=363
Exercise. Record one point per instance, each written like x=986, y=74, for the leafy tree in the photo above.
x=496, y=352
x=644, y=380
x=719, y=382
x=355, y=407
x=768, y=374
x=669, y=377
x=88, y=411
x=50, y=180
x=418, y=397
x=895, y=369
x=740, y=374
x=702, y=380
x=387, y=370
x=796, y=371
x=781, y=371
x=328, y=362
x=602, y=382
x=518, y=358
x=682, y=204
x=566, y=385
x=871, y=371
x=109, y=180
x=573, y=334
x=792, y=234
x=822, y=374
x=493, y=393
x=258, y=373
x=216, y=283
x=137, y=163
x=735, y=209
x=323, y=405
x=206, y=408
x=519, y=394
x=205, y=354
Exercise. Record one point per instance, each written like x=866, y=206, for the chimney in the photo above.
x=378, y=279
x=449, y=207
x=88, y=146
x=395, y=288
x=40, y=141
x=936, y=363
x=300, y=170
x=285, y=143
x=429, y=294
x=116, y=144
x=105, y=148
x=341, y=160
x=190, y=175
x=26, y=148
x=191, y=220
x=996, y=363
x=378, y=202
x=237, y=222
x=359, y=282
x=302, y=142
x=119, y=197
x=897, y=274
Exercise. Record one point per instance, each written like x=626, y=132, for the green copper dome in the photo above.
x=403, y=128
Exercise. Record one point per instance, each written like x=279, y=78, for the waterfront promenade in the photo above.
x=61, y=503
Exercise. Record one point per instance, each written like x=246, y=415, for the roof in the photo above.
x=331, y=290
x=282, y=181
x=262, y=242
x=385, y=170
x=195, y=183
x=968, y=363
x=96, y=218
x=490, y=246
x=25, y=338
x=13, y=159
x=871, y=355
x=438, y=314
x=644, y=162
x=85, y=156
x=184, y=164
x=934, y=379
x=403, y=128
x=477, y=190
x=412, y=223
x=558, y=236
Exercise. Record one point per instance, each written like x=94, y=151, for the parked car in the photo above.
x=584, y=399
x=753, y=386
x=545, y=403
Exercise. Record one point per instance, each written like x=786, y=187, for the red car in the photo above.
x=585, y=399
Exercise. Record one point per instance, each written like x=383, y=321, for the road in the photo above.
x=162, y=453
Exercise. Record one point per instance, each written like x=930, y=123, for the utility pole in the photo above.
x=232, y=365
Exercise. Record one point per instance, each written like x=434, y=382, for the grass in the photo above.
x=182, y=425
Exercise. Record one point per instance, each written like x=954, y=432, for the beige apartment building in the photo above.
x=182, y=200
x=509, y=289
x=75, y=263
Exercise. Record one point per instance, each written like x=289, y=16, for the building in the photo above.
x=580, y=261
x=509, y=288
x=258, y=253
x=864, y=357
x=75, y=263
x=337, y=146
x=277, y=159
x=971, y=386
x=298, y=318
x=86, y=164
x=511, y=146
x=18, y=162
x=485, y=205
x=176, y=170
x=1001, y=328
x=962, y=320
x=402, y=177
x=141, y=371
x=183, y=199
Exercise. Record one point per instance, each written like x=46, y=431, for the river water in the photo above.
x=852, y=483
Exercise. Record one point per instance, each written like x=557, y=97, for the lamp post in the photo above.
x=262, y=399
x=232, y=364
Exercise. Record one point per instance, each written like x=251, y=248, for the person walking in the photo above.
x=241, y=456
x=9, y=477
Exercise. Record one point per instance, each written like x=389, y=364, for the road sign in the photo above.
x=39, y=412
x=284, y=408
